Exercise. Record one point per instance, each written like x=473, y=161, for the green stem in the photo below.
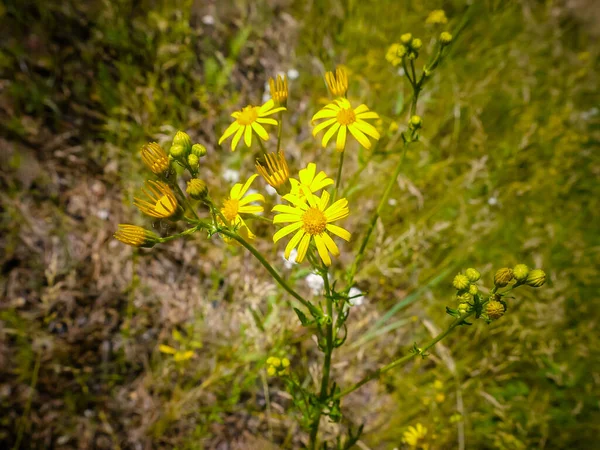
x=262, y=146
x=184, y=198
x=268, y=266
x=339, y=176
x=397, y=362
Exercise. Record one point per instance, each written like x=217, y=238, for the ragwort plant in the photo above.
x=311, y=212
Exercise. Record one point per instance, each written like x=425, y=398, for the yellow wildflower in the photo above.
x=311, y=219
x=341, y=117
x=436, y=17
x=309, y=181
x=136, y=236
x=395, y=53
x=160, y=201
x=275, y=171
x=155, y=158
x=338, y=83
x=415, y=436
x=279, y=90
x=238, y=203
x=250, y=119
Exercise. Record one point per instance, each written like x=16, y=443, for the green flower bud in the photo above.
x=473, y=289
x=445, y=38
x=193, y=161
x=503, y=277
x=415, y=122
x=472, y=274
x=464, y=297
x=520, y=272
x=406, y=38
x=184, y=140
x=177, y=151
x=416, y=44
x=199, y=150
x=536, y=278
x=197, y=189
x=463, y=307
x=495, y=309
x=460, y=282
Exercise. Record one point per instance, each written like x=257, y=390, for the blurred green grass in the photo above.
x=506, y=172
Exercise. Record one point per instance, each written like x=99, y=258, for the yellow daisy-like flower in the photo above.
x=311, y=220
x=279, y=90
x=238, y=203
x=155, y=158
x=341, y=117
x=136, y=236
x=436, y=17
x=338, y=83
x=275, y=171
x=250, y=119
x=160, y=202
x=310, y=181
x=414, y=437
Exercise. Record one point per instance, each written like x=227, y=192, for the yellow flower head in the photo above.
x=155, y=158
x=395, y=53
x=310, y=181
x=436, y=17
x=279, y=90
x=338, y=83
x=136, y=236
x=341, y=117
x=415, y=436
x=238, y=203
x=275, y=171
x=250, y=119
x=311, y=219
x=160, y=202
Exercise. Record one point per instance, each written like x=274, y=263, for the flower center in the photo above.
x=314, y=221
x=346, y=116
x=248, y=115
x=230, y=209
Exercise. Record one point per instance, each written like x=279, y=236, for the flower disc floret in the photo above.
x=340, y=117
x=250, y=120
x=311, y=219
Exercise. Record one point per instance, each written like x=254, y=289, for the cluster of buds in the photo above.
x=521, y=275
x=186, y=154
x=277, y=366
x=411, y=45
x=466, y=289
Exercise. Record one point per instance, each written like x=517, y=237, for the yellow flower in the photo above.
x=395, y=53
x=311, y=219
x=340, y=117
x=436, y=17
x=309, y=181
x=155, y=158
x=275, y=171
x=136, y=236
x=238, y=203
x=279, y=90
x=248, y=119
x=160, y=201
x=414, y=436
x=338, y=83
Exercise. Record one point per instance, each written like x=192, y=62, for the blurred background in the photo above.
x=506, y=172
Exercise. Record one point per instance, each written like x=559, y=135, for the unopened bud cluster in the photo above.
x=277, y=366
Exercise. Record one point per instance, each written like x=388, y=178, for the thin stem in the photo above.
x=184, y=198
x=268, y=266
x=397, y=362
x=339, y=176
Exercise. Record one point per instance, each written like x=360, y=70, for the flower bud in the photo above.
x=136, y=236
x=460, y=282
x=197, y=189
x=473, y=289
x=464, y=297
x=177, y=151
x=193, y=161
x=472, y=274
x=445, y=38
x=155, y=158
x=503, y=277
x=406, y=38
x=463, y=307
x=199, y=150
x=416, y=44
x=184, y=140
x=536, y=278
x=495, y=309
x=415, y=122
x=520, y=272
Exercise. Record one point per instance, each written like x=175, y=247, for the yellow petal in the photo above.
x=281, y=218
x=236, y=138
x=260, y=130
x=367, y=128
x=361, y=109
x=324, y=201
x=286, y=230
x=322, y=249
x=293, y=243
x=323, y=114
x=359, y=136
x=250, y=209
x=340, y=142
x=229, y=131
x=252, y=198
x=322, y=126
x=339, y=231
x=307, y=174
x=248, y=135
x=367, y=115
x=329, y=134
x=320, y=181
x=266, y=120
x=246, y=186
x=167, y=349
x=303, y=247
x=287, y=209
x=331, y=246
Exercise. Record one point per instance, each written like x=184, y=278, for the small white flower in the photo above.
x=208, y=20
x=102, y=214
x=293, y=74
x=492, y=201
x=315, y=283
x=391, y=202
x=267, y=93
x=291, y=261
x=231, y=176
x=356, y=297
